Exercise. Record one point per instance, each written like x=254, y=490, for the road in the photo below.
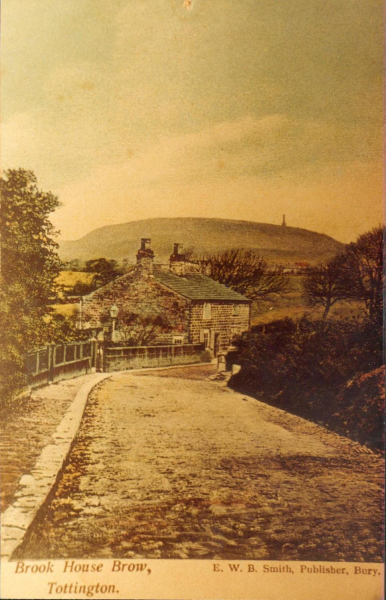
x=175, y=466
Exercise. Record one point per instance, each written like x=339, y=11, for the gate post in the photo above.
x=101, y=360
x=37, y=361
x=93, y=354
x=51, y=362
x=104, y=357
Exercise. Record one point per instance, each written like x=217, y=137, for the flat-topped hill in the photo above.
x=205, y=236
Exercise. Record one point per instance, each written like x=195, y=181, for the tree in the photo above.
x=140, y=330
x=29, y=267
x=30, y=263
x=247, y=273
x=364, y=271
x=73, y=265
x=326, y=284
x=82, y=288
x=105, y=270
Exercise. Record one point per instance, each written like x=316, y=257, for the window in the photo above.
x=178, y=339
x=207, y=310
x=236, y=310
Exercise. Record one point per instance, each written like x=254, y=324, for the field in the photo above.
x=67, y=279
x=292, y=305
x=68, y=310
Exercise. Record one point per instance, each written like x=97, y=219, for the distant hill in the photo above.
x=205, y=236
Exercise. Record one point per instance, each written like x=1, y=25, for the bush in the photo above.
x=360, y=407
x=12, y=378
x=303, y=367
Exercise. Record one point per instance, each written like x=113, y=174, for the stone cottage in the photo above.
x=180, y=304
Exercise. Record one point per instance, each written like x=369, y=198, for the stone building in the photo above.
x=185, y=306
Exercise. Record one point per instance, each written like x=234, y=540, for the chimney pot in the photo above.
x=145, y=255
x=145, y=243
x=177, y=260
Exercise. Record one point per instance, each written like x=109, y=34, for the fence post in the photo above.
x=37, y=361
x=81, y=351
x=104, y=356
x=93, y=354
x=51, y=362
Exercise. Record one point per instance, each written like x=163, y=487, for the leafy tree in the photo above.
x=326, y=284
x=140, y=330
x=12, y=349
x=136, y=329
x=29, y=267
x=62, y=329
x=105, y=270
x=247, y=273
x=58, y=328
x=73, y=265
x=364, y=271
x=82, y=289
x=30, y=263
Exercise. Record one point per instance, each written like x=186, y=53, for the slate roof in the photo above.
x=196, y=286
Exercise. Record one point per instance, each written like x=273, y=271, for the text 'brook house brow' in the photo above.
x=166, y=305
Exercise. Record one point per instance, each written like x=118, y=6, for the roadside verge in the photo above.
x=35, y=486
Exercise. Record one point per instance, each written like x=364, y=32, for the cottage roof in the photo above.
x=196, y=286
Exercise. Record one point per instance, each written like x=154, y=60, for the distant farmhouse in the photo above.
x=189, y=307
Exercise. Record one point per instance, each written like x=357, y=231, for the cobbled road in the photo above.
x=170, y=466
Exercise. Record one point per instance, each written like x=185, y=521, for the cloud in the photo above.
x=17, y=135
x=127, y=109
x=249, y=167
x=271, y=145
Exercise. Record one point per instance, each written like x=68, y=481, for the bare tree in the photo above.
x=247, y=273
x=364, y=271
x=326, y=284
x=357, y=274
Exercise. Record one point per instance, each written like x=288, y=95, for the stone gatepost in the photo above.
x=221, y=362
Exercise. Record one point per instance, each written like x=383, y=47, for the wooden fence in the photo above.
x=56, y=362
x=62, y=361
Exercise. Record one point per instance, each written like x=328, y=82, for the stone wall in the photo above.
x=222, y=322
x=138, y=292
x=119, y=358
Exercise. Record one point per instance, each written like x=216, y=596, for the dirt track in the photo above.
x=167, y=467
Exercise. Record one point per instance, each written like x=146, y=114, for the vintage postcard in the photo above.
x=191, y=300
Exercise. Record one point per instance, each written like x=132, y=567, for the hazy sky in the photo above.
x=240, y=109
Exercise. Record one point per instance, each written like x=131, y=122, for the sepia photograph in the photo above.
x=191, y=300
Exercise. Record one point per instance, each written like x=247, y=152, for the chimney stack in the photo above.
x=145, y=256
x=177, y=260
